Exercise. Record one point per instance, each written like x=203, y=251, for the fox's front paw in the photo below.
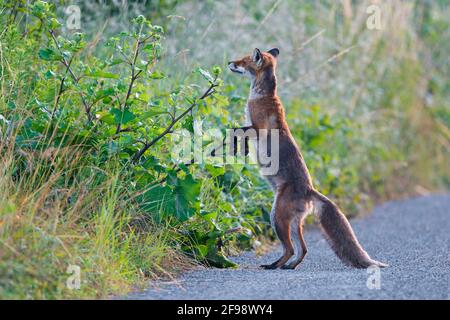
x=268, y=266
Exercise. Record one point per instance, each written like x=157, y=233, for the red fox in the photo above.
x=295, y=196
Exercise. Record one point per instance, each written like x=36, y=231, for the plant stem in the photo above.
x=134, y=76
x=147, y=145
x=87, y=108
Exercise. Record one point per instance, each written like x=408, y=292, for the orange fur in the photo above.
x=295, y=194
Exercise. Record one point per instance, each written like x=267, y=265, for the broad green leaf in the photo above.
x=49, y=74
x=49, y=54
x=102, y=74
x=188, y=123
x=215, y=171
x=106, y=117
x=205, y=74
x=202, y=250
x=179, y=198
x=217, y=259
x=157, y=75
x=123, y=117
x=152, y=112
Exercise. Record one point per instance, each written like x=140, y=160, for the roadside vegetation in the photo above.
x=88, y=119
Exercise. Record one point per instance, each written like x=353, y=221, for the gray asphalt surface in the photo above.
x=412, y=236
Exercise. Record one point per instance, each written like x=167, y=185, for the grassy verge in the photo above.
x=50, y=223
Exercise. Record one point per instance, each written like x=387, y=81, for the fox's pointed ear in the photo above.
x=257, y=56
x=274, y=52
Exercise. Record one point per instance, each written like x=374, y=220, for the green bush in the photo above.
x=86, y=148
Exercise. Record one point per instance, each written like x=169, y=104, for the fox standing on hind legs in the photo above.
x=295, y=195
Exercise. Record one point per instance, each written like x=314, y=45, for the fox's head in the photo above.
x=255, y=65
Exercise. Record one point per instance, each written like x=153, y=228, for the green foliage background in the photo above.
x=87, y=116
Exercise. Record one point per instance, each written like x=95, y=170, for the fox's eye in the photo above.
x=257, y=56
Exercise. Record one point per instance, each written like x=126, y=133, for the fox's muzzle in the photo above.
x=232, y=66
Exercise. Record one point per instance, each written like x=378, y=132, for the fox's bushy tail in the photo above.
x=340, y=235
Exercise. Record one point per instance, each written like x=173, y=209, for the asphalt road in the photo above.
x=412, y=236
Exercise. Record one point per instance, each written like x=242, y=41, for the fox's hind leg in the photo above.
x=281, y=217
x=283, y=230
x=300, y=244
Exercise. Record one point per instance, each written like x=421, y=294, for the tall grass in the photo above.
x=43, y=232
